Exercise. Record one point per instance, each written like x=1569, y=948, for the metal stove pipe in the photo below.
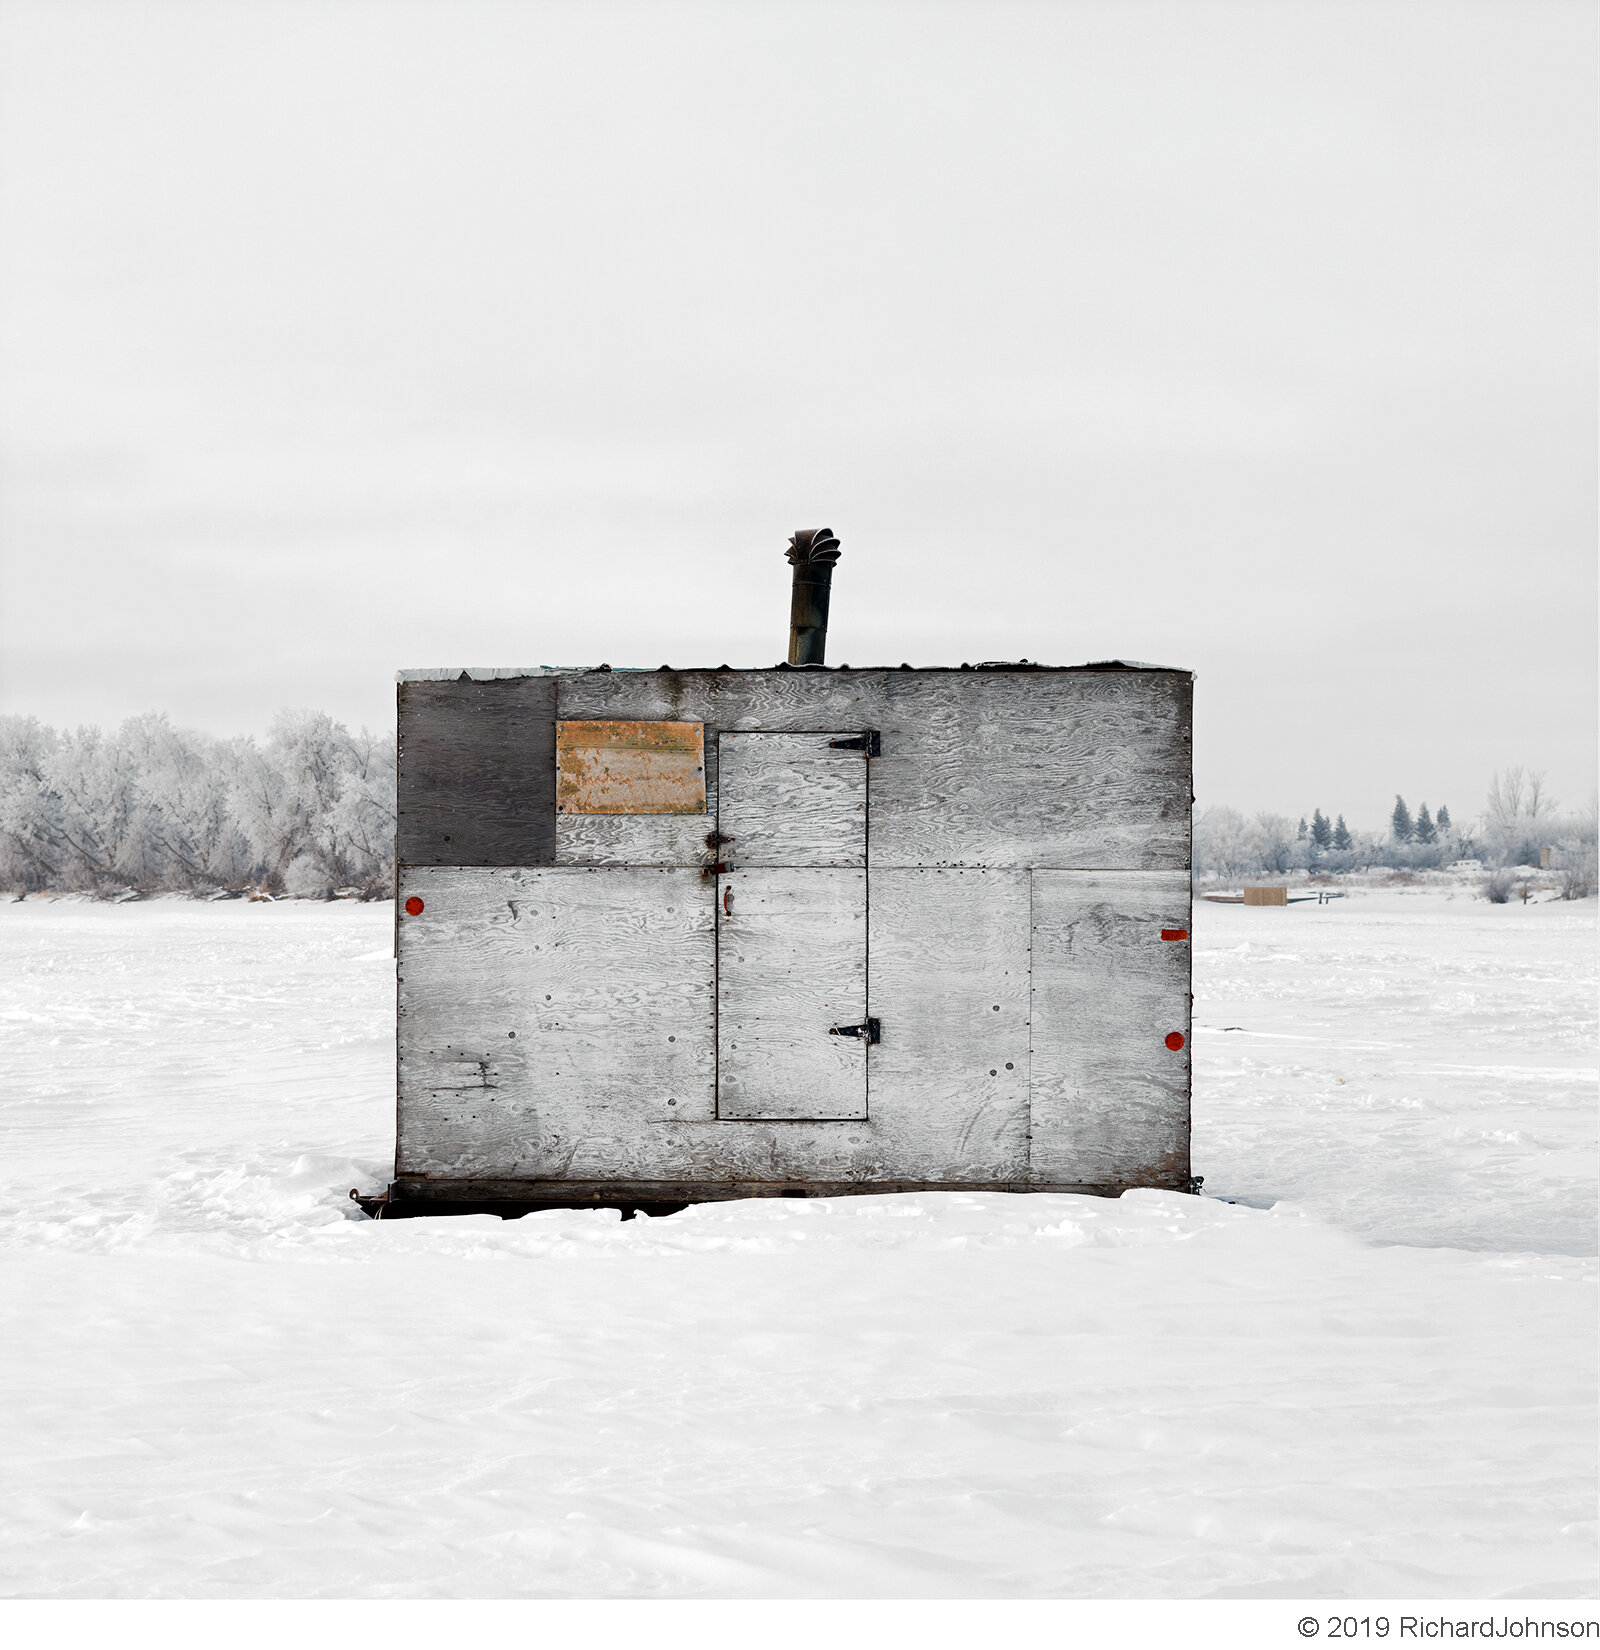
x=812, y=553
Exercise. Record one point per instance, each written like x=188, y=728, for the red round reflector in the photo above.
x=1174, y=1039
x=414, y=908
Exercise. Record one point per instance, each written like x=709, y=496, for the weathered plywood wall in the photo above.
x=1068, y=769
x=1026, y=848
x=948, y=954
x=540, y=1008
x=1110, y=1079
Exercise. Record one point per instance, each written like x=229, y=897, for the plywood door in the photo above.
x=791, y=928
x=791, y=799
x=791, y=965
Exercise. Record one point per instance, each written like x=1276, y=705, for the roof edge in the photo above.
x=496, y=673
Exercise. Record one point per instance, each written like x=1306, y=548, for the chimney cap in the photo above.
x=813, y=545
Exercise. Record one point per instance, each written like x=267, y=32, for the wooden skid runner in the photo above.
x=410, y=1199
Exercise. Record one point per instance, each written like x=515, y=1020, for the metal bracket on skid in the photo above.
x=869, y=1032
x=868, y=742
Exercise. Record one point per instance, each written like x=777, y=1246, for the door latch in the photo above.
x=867, y=742
x=869, y=1031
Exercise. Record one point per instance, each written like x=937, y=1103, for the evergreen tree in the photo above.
x=1442, y=819
x=1400, y=820
x=1423, y=830
x=1321, y=830
x=1341, y=835
x=1301, y=833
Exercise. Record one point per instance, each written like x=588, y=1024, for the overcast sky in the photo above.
x=1257, y=339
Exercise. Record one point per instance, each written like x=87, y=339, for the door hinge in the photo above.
x=867, y=742
x=869, y=1031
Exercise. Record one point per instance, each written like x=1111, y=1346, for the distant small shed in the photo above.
x=669, y=935
x=1266, y=896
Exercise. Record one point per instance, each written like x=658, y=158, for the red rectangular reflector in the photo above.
x=1174, y=933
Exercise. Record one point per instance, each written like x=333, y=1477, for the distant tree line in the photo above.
x=152, y=807
x=311, y=811
x=1518, y=824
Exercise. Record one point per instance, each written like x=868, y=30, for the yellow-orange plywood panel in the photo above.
x=630, y=768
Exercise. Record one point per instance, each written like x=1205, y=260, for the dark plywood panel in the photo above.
x=1110, y=998
x=477, y=772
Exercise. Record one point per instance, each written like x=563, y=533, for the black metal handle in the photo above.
x=870, y=1031
x=868, y=742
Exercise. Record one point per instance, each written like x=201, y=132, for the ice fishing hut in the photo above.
x=671, y=935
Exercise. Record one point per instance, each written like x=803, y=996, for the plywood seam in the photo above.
x=866, y=916
x=716, y=963
x=1028, y=1132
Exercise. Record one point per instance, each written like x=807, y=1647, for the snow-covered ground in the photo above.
x=1371, y=1375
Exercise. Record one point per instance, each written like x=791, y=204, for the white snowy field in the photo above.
x=1372, y=1376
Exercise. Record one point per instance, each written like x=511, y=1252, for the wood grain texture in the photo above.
x=791, y=964
x=1023, y=771
x=630, y=767
x=948, y=979
x=791, y=799
x=1073, y=769
x=536, y=1005
x=633, y=839
x=1110, y=1098
x=476, y=783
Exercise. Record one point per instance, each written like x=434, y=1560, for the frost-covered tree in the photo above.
x=157, y=807
x=1517, y=813
x=1577, y=843
x=1423, y=830
x=334, y=807
x=1400, y=826
x=1442, y=819
x=33, y=844
x=1277, y=845
x=1223, y=845
x=363, y=819
x=1321, y=830
x=257, y=796
x=94, y=803
x=1341, y=836
x=1301, y=833
x=188, y=835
